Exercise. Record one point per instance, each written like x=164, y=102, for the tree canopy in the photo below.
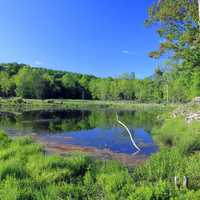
x=178, y=25
x=38, y=83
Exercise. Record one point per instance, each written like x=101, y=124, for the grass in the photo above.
x=176, y=132
x=18, y=104
x=26, y=172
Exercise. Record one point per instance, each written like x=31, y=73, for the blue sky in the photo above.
x=100, y=37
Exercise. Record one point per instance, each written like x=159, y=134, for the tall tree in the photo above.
x=199, y=9
x=178, y=25
x=29, y=83
x=6, y=85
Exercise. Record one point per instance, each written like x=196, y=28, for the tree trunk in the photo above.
x=199, y=10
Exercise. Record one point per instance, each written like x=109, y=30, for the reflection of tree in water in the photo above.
x=60, y=120
x=139, y=119
x=9, y=121
x=72, y=120
x=46, y=120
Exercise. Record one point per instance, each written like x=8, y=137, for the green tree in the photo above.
x=195, y=86
x=28, y=83
x=72, y=88
x=6, y=85
x=177, y=22
x=178, y=26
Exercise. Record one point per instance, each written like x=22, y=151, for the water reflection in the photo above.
x=114, y=139
x=89, y=130
x=57, y=121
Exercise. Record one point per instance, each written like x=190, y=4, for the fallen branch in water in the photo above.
x=133, y=142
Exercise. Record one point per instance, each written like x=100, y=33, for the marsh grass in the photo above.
x=180, y=134
x=26, y=172
x=17, y=105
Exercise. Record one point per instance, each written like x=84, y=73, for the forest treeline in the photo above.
x=178, y=26
x=38, y=83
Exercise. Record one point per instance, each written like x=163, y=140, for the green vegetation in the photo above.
x=19, y=80
x=177, y=132
x=19, y=104
x=177, y=24
x=26, y=172
x=61, y=120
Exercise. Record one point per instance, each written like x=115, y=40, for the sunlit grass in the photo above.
x=17, y=104
x=26, y=172
x=180, y=134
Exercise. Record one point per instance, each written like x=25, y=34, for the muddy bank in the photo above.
x=126, y=159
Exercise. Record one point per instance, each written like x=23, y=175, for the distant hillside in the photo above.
x=24, y=81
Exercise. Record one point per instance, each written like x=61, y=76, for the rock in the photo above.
x=193, y=116
x=196, y=100
x=179, y=112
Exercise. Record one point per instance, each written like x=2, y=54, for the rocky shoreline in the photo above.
x=190, y=112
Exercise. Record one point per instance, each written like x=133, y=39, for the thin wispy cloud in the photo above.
x=125, y=51
x=38, y=62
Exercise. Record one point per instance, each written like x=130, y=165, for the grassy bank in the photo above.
x=19, y=104
x=177, y=131
x=26, y=172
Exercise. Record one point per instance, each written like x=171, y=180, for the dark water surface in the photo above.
x=97, y=130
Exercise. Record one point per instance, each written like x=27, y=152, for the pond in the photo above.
x=93, y=131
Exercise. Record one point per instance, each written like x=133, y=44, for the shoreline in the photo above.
x=14, y=107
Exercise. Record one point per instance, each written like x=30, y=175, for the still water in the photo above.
x=84, y=130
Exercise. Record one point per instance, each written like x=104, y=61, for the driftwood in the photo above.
x=185, y=181
x=127, y=129
x=178, y=184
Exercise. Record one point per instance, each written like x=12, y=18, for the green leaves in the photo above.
x=177, y=22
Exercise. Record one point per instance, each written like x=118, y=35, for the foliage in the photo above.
x=43, y=119
x=177, y=23
x=176, y=132
x=26, y=172
x=32, y=83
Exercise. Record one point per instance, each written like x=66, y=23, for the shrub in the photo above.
x=163, y=165
x=4, y=140
x=26, y=172
x=12, y=168
x=178, y=133
x=9, y=189
x=78, y=164
x=192, y=169
x=7, y=153
x=50, y=101
x=115, y=185
x=18, y=100
x=142, y=192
